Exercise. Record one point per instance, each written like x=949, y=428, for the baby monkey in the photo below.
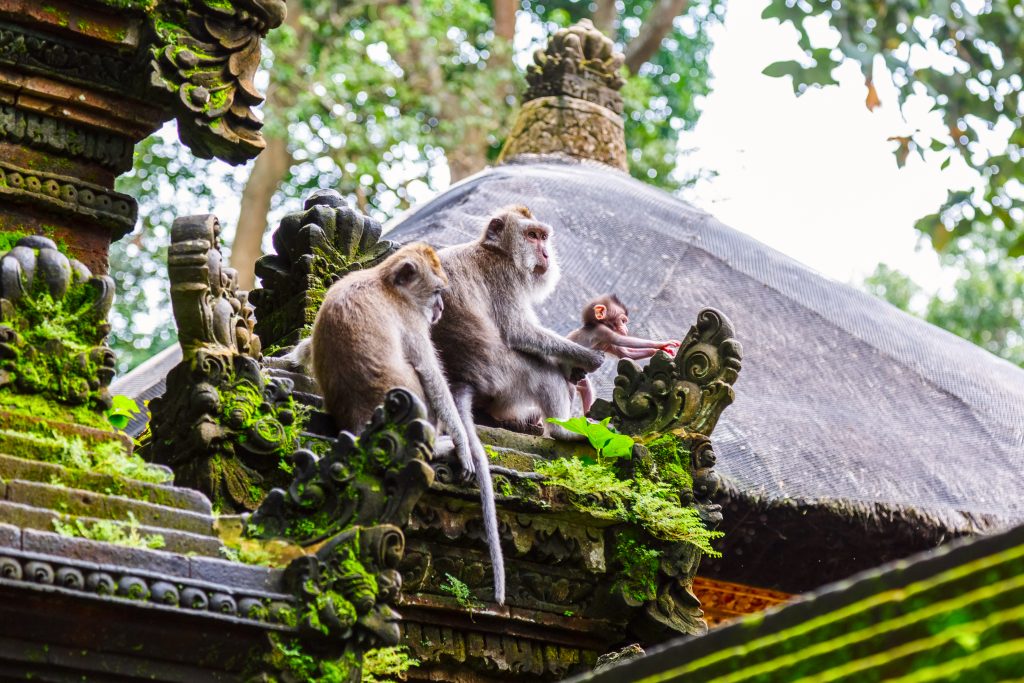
x=605, y=321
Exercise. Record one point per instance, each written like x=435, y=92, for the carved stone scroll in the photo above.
x=685, y=394
x=206, y=54
x=313, y=248
x=222, y=425
x=376, y=478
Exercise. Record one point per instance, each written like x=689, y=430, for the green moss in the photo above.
x=638, y=563
x=109, y=531
x=385, y=664
x=655, y=506
x=39, y=442
x=290, y=658
x=670, y=461
x=46, y=409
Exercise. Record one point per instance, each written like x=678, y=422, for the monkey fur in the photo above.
x=373, y=333
x=498, y=356
x=605, y=328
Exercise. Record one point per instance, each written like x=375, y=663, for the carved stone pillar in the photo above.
x=573, y=105
x=82, y=81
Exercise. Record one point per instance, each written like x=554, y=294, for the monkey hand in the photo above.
x=591, y=360
x=671, y=347
x=466, y=462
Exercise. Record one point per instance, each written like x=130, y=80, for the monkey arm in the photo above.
x=540, y=341
x=609, y=336
x=632, y=354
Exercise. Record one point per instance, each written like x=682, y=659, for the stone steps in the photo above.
x=31, y=517
x=161, y=494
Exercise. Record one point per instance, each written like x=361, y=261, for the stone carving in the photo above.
x=351, y=505
x=38, y=52
x=376, y=478
x=222, y=425
x=68, y=195
x=685, y=394
x=206, y=54
x=124, y=584
x=36, y=130
x=313, y=249
x=682, y=398
x=53, y=325
x=579, y=62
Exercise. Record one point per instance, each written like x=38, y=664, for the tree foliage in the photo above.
x=968, y=57
x=985, y=306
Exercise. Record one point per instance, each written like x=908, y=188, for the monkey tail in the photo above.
x=483, y=478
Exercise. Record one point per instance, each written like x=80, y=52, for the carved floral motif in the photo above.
x=207, y=53
x=313, y=249
x=581, y=62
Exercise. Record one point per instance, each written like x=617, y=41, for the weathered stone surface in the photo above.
x=30, y=518
x=102, y=506
x=158, y=561
x=565, y=125
x=10, y=536
x=169, y=496
x=242, y=576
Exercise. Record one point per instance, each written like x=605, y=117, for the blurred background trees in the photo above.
x=389, y=101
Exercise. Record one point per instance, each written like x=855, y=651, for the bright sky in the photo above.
x=814, y=176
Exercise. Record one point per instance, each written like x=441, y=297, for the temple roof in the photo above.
x=844, y=400
x=950, y=615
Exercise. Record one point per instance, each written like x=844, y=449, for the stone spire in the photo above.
x=572, y=105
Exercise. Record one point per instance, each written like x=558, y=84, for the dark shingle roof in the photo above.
x=842, y=397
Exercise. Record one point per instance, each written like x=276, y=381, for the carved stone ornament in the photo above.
x=377, y=478
x=53, y=325
x=579, y=62
x=685, y=394
x=313, y=249
x=350, y=508
x=678, y=398
x=207, y=53
x=222, y=425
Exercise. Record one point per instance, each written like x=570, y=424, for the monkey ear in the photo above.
x=494, y=229
x=404, y=273
x=600, y=310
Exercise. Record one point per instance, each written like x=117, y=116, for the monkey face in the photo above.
x=536, y=236
x=417, y=276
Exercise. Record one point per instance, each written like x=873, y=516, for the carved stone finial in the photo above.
x=313, y=249
x=223, y=425
x=572, y=105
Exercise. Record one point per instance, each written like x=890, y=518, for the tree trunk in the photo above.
x=655, y=27
x=505, y=18
x=268, y=172
x=604, y=17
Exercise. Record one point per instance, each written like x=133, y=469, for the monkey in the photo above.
x=498, y=356
x=605, y=328
x=371, y=334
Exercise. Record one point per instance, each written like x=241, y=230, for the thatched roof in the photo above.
x=846, y=407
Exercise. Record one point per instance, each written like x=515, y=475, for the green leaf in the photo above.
x=607, y=442
x=120, y=412
x=784, y=68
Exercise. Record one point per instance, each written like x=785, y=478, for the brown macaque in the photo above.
x=500, y=360
x=372, y=334
x=606, y=328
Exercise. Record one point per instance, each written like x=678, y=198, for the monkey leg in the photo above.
x=586, y=391
x=555, y=401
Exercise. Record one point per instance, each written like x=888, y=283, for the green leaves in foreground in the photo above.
x=606, y=441
x=120, y=412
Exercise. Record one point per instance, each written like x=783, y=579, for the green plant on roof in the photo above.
x=602, y=436
x=109, y=531
x=460, y=591
x=120, y=413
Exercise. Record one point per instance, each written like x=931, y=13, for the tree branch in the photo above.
x=654, y=29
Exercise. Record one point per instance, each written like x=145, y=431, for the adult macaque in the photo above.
x=498, y=356
x=372, y=334
x=605, y=328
